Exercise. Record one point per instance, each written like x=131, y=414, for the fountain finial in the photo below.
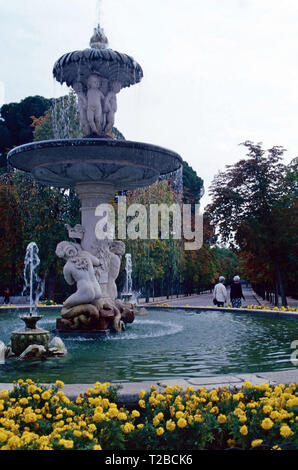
x=99, y=39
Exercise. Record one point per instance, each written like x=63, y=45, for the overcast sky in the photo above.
x=216, y=72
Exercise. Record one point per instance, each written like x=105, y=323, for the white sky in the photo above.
x=216, y=72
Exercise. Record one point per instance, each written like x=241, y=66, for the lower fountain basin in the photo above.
x=166, y=344
x=66, y=162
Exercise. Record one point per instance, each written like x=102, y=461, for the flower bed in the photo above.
x=46, y=302
x=33, y=417
x=264, y=307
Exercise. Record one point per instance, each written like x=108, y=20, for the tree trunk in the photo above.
x=280, y=285
x=147, y=291
x=276, y=294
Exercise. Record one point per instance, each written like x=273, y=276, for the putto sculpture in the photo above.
x=97, y=75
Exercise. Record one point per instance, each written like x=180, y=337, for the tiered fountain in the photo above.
x=97, y=167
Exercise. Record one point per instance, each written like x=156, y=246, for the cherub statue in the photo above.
x=79, y=270
x=95, y=104
x=82, y=106
x=110, y=107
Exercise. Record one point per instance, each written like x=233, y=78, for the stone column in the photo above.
x=91, y=195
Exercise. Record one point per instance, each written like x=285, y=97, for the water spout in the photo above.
x=33, y=283
x=128, y=270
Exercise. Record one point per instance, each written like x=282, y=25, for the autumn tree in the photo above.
x=253, y=208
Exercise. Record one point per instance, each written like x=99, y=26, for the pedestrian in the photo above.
x=236, y=293
x=220, y=293
x=6, y=295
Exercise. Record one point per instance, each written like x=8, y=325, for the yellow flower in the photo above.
x=170, y=425
x=59, y=383
x=122, y=416
x=31, y=388
x=97, y=447
x=181, y=423
x=247, y=384
x=14, y=442
x=92, y=428
x=140, y=426
x=46, y=395
x=155, y=421
x=242, y=419
x=98, y=417
x=67, y=444
x=127, y=428
x=135, y=414
x=274, y=415
x=77, y=433
x=23, y=401
x=4, y=394
x=142, y=404
x=267, y=409
x=113, y=413
x=160, y=431
x=243, y=430
x=221, y=419
x=285, y=431
x=142, y=394
x=267, y=424
x=256, y=442
x=198, y=418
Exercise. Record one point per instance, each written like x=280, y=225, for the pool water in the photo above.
x=164, y=344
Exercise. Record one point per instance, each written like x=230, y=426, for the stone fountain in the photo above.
x=96, y=167
x=21, y=339
x=32, y=342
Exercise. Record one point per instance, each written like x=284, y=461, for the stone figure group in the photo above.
x=97, y=104
x=94, y=304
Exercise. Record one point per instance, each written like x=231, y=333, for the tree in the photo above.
x=193, y=185
x=252, y=208
x=15, y=122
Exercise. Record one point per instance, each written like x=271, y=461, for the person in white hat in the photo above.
x=236, y=293
x=220, y=293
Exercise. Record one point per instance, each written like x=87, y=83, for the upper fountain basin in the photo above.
x=65, y=162
x=112, y=65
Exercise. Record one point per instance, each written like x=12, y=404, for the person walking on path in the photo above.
x=220, y=293
x=236, y=293
x=6, y=295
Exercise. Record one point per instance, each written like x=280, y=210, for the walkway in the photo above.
x=205, y=300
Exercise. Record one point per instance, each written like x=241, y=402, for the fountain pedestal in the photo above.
x=21, y=339
x=91, y=195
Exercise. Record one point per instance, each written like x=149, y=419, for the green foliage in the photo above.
x=193, y=185
x=15, y=126
x=253, y=208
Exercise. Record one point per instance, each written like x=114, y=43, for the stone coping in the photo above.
x=129, y=392
x=260, y=311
